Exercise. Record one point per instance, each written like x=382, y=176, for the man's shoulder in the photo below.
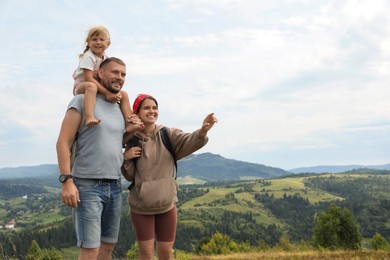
x=77, y=98
x=76, y=102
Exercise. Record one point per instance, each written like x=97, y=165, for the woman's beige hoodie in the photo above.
x=155, y=187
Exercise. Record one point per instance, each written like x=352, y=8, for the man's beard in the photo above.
x=109, y=87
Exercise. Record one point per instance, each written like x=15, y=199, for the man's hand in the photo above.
x=70, y=194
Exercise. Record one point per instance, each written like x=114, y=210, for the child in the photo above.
x=97, y=41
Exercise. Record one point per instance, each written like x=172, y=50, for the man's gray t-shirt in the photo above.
x=99, y=147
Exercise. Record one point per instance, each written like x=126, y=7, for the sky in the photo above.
x=294, y=83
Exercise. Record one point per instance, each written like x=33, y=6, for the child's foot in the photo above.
x=92, y=121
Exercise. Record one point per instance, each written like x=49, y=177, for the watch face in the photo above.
x=63, y=178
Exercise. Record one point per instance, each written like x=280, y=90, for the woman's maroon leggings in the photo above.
x=162, y=225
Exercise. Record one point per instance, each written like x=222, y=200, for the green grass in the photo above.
x=250, y=178
x=70, y=252
x=245, y=201
x=212, y=195
x=3, y=213
x=302, y=255
x=291, y=186
x=261, y=215
x=187, y=180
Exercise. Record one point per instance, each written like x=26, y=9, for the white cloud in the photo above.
x=294, y=83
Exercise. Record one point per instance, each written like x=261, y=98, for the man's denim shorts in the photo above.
x=97, y=217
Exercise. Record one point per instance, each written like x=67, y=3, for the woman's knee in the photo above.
x=146, y=249
x=164, y=250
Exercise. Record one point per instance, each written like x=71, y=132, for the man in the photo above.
x=93, y=187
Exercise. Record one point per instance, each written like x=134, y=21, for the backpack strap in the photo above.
x=73, y=145
x=134, y=141
x=167, y=143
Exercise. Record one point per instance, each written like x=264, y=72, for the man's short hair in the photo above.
x=111, y=59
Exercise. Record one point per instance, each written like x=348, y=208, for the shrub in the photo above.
x=379, y=243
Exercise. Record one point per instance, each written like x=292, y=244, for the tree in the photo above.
x=132, y=253
x=284, y=243
x=36, y=253
x=336, y=228
x=218, y=244
x=379, y=243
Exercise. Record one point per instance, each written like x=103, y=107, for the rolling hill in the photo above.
x=212, y=167
x=206, y=166
x=256, y=211
x=338, y=168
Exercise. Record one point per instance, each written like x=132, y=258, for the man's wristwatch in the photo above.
x=64, y=177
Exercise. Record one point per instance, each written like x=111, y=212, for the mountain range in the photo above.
x=338, y=168
x=205, y=166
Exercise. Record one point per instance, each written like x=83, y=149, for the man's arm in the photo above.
x=69, y=127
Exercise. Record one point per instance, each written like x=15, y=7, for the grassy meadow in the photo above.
x=215, y=201
x=247, y=203
x=302, y=255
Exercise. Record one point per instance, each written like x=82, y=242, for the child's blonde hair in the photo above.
x=94, y=31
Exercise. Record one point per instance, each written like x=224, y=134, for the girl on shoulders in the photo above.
x=85, y=76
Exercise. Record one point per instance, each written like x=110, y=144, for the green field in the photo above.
x=291, y=186
x=238, y=197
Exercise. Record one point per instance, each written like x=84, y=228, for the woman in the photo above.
x=153, y=195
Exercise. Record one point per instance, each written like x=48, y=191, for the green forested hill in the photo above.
x=263, y=209
x=206, y=166
x=43, y=170
x=212, y=167
x=256, y=211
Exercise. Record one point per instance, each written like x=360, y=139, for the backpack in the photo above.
x=134, y=141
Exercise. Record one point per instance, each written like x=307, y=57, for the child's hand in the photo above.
x=111, y=97
x=133, y=123
x=118, y=97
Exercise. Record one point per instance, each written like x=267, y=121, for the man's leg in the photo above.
x=110, y=218
x=88, y=253
x=86, y=220
x=105, y=251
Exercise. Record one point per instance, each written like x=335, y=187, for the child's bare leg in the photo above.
x=90, y=90
x=126, y=109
